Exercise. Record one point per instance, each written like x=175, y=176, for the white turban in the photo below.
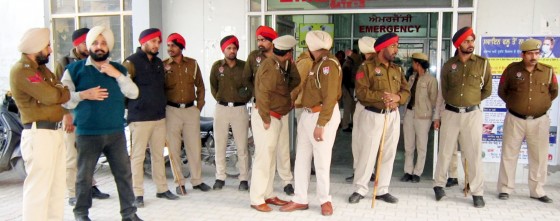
x=316, y=40
x=100, y=30
x=285, y=42
x=34, y=40
x=366, y=45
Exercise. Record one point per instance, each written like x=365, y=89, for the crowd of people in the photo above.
x=74, y=115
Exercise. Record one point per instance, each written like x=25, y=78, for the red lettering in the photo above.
x=361, y=28
x=382, y=28
x=281, y=1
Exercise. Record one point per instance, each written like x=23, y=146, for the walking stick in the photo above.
x=175, y=175
x=466, y=190
x=379, y=158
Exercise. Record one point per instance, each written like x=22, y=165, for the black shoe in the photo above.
x=355, y=198
x=82, y=218
x=503, y=196
x=132, y=218
x=415, y=179
x=543, y=199
x=244, y=185
x=72, y=201
x=350, y=179
x=478, y=201
x=180, y=190
x=138, y=202
x=452, y=182
x=406, y=177
x=387, y=198
x=203, y=187
x=219, y=184
x=440, y=193
x=372, y=177
x=289, y=190
x=97, y=194
x=168, y=195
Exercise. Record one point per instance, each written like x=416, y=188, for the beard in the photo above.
x=99, y=55
x=42, y=59
x=231, y=56
x=468, y=50
x=262, y=49
x=153, y=53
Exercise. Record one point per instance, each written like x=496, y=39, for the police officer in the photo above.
x=418, y=117
x=319, y=123
x=381, y=88
x=265, y=36
x=349, y=69
x=365, y=44
x=146, y=115
x=230, y=89
x=528, y=88
x=184, y=86
x=276, y=78
x=38, y=95
x=465, y=82
x=79, y=52
x=304, y=64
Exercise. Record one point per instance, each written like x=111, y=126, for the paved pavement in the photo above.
x=416, y=202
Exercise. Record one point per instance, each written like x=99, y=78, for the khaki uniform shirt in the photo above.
x=374, y=79
x=229, y=84
x=181, y=80
x=461, y=82
x=322, y=86
x=304, y=64
x=61, y=64
x=37, y=92
x=274, y=82
x=425, y=95
x=254, y=61
x=528, y=93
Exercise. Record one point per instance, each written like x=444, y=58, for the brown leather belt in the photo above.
x=526, y=117
x=186, y=105
x=44, y=125
x=315, y=109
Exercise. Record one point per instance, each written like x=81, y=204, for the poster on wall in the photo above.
x=306, y=27
x=502, y=51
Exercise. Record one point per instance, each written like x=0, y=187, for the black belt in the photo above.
x=44, y=125
x=526, y=117
x=232, y=104
x=377, y=110
x=461, y=109
x=187, y=105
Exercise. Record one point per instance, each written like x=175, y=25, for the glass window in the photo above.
x=464, y=19
x=128, y=39
x=254, y=23
x=465, y=3
x=112, y=22
x=99, y=6
x=342, y=24
x=341, y=45
x=128, y=5
x=62, y=6
x=446, y=25
x=62, y=41
x=255, y=5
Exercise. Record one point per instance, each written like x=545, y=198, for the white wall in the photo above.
x=11, y=33
x=203, y=23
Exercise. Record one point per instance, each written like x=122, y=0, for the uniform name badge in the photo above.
x=258, y=59
x=221, y=70
x=378, y=71
x=519, y=76
x=167, y=67
x=454, y=68
x=326, y=70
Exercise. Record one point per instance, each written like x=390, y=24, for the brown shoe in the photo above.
x=275, y=201
x=291, y=206
x=326, y=209
x=262, y=208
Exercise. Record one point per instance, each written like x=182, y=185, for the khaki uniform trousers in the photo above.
x=183, y=124
x=369, y=136
x=144, y=134
x=349, y=107
x=238, y=118
x=415, y=137
x=536, y=133
x=467, y=129
x=43, y=189
x=454, y=163
x=320, y=152
x=355, y=142
x=267, y=144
